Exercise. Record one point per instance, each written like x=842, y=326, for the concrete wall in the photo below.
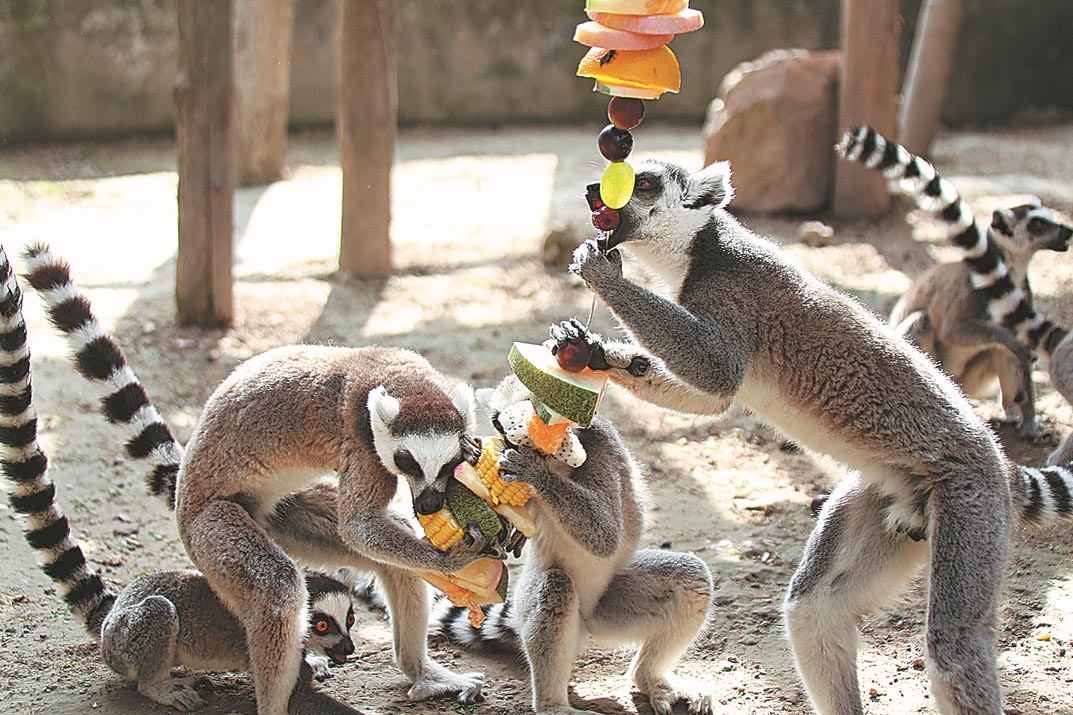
x=86, y=68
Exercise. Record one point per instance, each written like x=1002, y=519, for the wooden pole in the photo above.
x=204, y=93
x=263, y=30
x=928, y=76
x=867, y=94
x=367, y=118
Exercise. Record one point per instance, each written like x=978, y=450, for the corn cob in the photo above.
x=441, y=528
x=514, y=494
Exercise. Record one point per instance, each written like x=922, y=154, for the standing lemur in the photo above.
x=739, y=322
x=584, y=575
x=160, y=620
x=975, y=317
x=250, y=493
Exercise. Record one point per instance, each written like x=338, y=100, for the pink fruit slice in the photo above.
x=596, y=35
x=684, y=21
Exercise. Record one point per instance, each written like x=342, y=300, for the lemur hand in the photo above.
x=471, y=448
x=594, y=266
x=572, y=331
x=523, y=464
x=473, y=546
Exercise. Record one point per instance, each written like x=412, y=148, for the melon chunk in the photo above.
x=574, y=395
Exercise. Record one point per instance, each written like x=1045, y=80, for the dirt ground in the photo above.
x=471, y=211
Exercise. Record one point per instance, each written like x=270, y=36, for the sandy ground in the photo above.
x=471, y=212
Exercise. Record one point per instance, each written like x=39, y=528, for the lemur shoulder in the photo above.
x=742, y=324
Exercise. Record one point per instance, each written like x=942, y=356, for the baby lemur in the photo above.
x=251, y=494
x=584, y=575
x=738, y=322
x=160, y=620
x=975, y=317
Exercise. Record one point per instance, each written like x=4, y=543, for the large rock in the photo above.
x=775, y=120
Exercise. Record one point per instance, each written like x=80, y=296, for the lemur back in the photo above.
x=159, y=620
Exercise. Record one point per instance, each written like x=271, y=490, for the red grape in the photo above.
x=625, y=112
x=573, y=357
x=605, y=218
x=615, y=144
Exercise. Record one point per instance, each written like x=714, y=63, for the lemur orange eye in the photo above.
x=321, y=626
x=350, y=619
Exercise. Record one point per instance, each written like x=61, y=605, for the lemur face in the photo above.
x=1023, y=230
x=425, y=455
x=331, y=615
x=669, y=204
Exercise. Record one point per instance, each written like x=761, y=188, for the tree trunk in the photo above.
x=367, y=118
x=204, y=93
x=929, y=73
x=262, y=87
x=867, y=94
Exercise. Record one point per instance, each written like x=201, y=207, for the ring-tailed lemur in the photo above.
x=740, y=323
x=583, y=574
x=974, y=317
x=160, y=620
x=1061, y=370
x=250, y=481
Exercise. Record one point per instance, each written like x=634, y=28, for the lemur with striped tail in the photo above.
x=736, y=322
x=160, y=620
x=583, y=574
x=975, y=317
x=253, y=495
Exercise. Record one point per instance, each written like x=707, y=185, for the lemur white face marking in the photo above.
x=1022, y=230
x=425, y=460
x=668, y=208
x=330, y=619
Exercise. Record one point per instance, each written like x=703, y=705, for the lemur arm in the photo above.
x=367, y=526
x=700, y=352
x=656, y=384
x=976, y=331
x=587, y=501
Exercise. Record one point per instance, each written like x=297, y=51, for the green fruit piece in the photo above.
x=501, y=587
x=616, y=185
x=574, y=395
x=547, y=415
x=468, y=508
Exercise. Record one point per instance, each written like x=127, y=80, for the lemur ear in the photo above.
x=383, y=408
x=463, y=399
x=710, y=187
x=1002, y=220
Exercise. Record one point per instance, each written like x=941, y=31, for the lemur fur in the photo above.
x=741, y=323
x=252, y=478
x=160, y=620
x=584, y=575
x=1061, y=369
x=975, y=317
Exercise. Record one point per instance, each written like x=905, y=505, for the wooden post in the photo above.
x=204, y=94
x=867, y=94
x=263, y=30
x=927, y=78
x=367, y=118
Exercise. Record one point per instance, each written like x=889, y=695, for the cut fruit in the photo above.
x=642, y=69
x=637, y=7
x=482, y=582
x=594, y=34
x=547, y=438
x=518, y=516
x=627, y=92
x=574, y=395
x=468, y=508
x=547, y=415
x=655, y=25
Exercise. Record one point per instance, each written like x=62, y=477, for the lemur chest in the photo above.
x=272, y=487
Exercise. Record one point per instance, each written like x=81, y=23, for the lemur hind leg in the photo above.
x=139, y=641
x=305, y=524
x=660, y=599
x=919, y=331
x=852, y=563
x=261, y=586
x=551, y=636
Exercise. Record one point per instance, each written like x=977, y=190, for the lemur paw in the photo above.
x=521, y=464
x=594, y=266
x=439, y=681
x=471, y=448
x=183, y=694
x=572, y=332
x=319, y=664
x=665, y=693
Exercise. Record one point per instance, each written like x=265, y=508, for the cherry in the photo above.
x=573, y=357
x=615, y=144
x=605, y=218
x=625, y=112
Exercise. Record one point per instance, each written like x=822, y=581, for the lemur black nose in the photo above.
x=346, y=647
x=428, y=502
x=592, y=195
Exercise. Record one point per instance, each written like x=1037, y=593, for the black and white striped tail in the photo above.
x=98, y=358
x=496, y=634
x=1007, y=304
x=1043, y=495
x=25, y=466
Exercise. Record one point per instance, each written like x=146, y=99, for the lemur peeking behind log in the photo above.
x=974, y=317
x=250, y=493
x=738, y=322
x=159, y=620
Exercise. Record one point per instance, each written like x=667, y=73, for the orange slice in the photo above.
x=655, y=69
